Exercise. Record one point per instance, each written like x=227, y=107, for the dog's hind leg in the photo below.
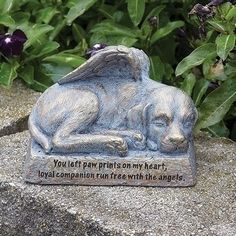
x=72, y=135
x=68, y=139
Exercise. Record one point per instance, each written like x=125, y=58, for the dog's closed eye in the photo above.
x=188, y=121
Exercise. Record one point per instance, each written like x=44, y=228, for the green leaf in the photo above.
x=35, y=33
x=41, y=79
x=112, y=39
x=116, y=40
x=216, y=104
x=188, y=84
x=231, y=14
x=55, y=72
x=136, y=10
x=45, y=15
x=99, y=37
x=65, y=59
x=43, y=50
x=224, y=8
x=7, y=20
x=8, y=73
x=78, y=32
x=108, y=27
x=22, y=18
x=169, y=73
x=37, y=86
x=6, y=6
x=58, y=28
x=78, y=9
x=106, y=12
x=218, y=26
x=113, y=34
x=196, y=58
x=200, y=89
x=27, y=74
x=157, y=69
x=167, y=29
x=225, y=44
x=230, y=68
x=118, y=16
x=219, y=130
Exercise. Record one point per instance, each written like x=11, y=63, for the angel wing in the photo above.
x=112, y=61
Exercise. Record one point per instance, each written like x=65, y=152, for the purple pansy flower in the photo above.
x=12, y=44
x=94, y=49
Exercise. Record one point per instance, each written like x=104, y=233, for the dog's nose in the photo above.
x=176, y=139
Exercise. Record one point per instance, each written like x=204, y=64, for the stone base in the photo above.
x=138, y=169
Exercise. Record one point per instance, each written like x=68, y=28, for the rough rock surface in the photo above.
x=209, y=208
x=15, y=106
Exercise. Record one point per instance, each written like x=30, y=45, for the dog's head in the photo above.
x=167, y=120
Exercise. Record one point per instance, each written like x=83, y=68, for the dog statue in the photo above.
x=109, y=105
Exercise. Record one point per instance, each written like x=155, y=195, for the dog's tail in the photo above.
x=38, y=135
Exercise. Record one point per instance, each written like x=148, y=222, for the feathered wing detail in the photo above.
x=117, y=61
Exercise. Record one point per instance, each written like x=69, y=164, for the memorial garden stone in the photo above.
x=108, y=123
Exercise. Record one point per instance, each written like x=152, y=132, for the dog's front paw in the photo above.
x=118, y=146
x=151, y=145
x=139, y=141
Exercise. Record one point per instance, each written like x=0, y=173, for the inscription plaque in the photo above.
x=107, y=123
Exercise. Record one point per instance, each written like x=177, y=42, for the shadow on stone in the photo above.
x=15, y=127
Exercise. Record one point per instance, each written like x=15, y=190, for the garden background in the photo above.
x=191, y=45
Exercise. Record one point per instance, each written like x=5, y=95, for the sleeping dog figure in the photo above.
x=110, y=105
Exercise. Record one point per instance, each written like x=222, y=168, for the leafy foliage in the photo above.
x=190, y=43
x=214, y=91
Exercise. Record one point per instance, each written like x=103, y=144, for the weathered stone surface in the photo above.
x=15, y=106
x=208, y=208
x=110, y=106
x=139, y=168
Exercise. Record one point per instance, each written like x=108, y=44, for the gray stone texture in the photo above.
x=15, y=106
x=140, y=168
x=208, y=208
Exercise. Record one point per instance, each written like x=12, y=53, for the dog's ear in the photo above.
x=138, y=117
